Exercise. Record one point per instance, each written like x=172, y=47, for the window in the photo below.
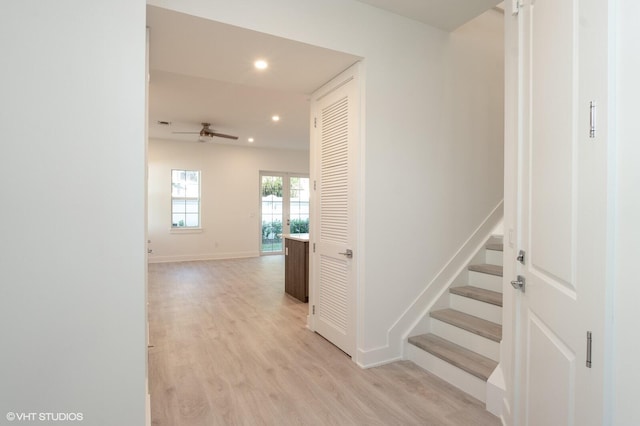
x=185, y=199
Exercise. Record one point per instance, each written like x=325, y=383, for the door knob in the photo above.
x=348, y=253
x=519, y=283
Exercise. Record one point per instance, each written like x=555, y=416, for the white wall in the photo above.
x=431, y=143
x=229, y=193
x=72, y=261
x=626, y=317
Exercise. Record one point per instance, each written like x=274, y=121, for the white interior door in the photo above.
x=562, y=212
x=335, y=126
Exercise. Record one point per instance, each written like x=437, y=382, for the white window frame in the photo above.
x=186, y=229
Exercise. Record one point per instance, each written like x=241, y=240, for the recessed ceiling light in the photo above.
x=261, y=64
x=250, y=140
x=276, y=118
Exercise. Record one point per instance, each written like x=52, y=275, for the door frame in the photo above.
x=358, y=70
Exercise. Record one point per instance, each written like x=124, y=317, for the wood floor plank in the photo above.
x=230, y=348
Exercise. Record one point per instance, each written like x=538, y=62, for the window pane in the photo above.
x=192, y=206
x=299, y=205
x=193, y=177
x=271, y=192
x=192, y=191
x=178, y=220
x=192, y=219
x=177, y=176
x=177, y=189
x=178, y=206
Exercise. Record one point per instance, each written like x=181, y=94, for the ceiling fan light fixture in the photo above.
x=275, y=118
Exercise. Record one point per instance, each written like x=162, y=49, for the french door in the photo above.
x=284, y=208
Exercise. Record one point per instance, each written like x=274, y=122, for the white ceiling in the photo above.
x=444, y=14
x=202, y=71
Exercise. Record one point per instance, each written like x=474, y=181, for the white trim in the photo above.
x=193, y=257
x=186, y=230
x=496, y=390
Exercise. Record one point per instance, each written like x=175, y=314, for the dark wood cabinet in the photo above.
x=296, y=269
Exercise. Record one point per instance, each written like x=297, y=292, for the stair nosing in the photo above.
x=487, y=268
x=487, y=329
x=459, y=291
x=467, y=359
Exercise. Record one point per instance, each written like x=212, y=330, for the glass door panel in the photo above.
x=271, y=192
x=298, y=205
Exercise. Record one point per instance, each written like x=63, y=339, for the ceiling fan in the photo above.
x=207, y=133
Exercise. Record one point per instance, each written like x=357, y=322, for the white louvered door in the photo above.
x=334, y=131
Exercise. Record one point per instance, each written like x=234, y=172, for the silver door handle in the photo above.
x=348, y=253
x=519, y=283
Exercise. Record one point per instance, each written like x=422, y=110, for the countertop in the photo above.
x=297, y=237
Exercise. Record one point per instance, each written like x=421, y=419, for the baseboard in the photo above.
x=496, y=390
x=376, y=357
x=423, y=303
x=210, y=256
x=148, y=410
x=506, y=417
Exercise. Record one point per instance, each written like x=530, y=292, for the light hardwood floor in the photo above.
x=230, y=348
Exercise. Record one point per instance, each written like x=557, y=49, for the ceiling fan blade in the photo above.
x=222, y=135
x=186, y=133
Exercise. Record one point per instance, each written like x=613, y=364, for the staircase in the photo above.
x=462, y=342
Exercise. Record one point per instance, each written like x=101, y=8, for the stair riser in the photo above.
x=494, y=257
x=476, y=308
x=466, y=339
x=447, y=372
x=486, y=281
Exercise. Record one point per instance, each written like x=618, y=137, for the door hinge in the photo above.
x=315, y=122
x=313, y=309
x=592, y=119
x=588, y=349
x=314, y=247
x=314, y=185
x=515, y=7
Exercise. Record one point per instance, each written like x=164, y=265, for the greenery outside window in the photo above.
x=185, y=199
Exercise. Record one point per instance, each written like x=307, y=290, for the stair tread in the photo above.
x=495, y=243
x=487, y=268
x=469, y=361
x=477, y=293
x=479, y=326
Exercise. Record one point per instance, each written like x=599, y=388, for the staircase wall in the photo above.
x=412, y=318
